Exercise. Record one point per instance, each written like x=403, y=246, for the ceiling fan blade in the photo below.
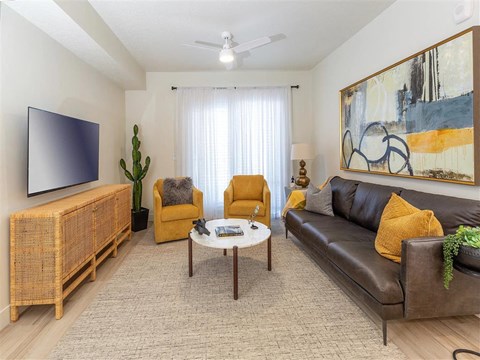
x=252, y=44
x=209, y=44
x=202, y=47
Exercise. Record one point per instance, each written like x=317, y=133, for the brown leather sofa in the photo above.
x=343, y=245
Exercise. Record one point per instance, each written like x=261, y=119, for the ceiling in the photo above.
x=154, y=31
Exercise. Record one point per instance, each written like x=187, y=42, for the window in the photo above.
x=225, y=132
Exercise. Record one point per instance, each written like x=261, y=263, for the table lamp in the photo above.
x=302, y=152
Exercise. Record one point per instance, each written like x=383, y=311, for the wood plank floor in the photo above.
x=36, y=332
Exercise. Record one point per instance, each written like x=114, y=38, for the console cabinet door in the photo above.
x=123, y=209
x=77, y=237
x=104, y=221
x=32, y=258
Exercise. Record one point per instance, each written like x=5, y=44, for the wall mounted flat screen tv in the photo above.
x=62, y=151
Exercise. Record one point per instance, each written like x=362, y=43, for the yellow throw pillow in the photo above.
x=401, y=221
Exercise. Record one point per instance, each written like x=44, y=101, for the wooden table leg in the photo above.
x=269, y=253
x=235, y=272
x=93, y=264
x=224, y=252
x=190, y=261
x=13, y=313
x=58, y=309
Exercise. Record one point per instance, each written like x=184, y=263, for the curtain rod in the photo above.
x=292, y=87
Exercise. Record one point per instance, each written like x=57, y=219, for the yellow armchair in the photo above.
x=174, y=222
x=242, y=195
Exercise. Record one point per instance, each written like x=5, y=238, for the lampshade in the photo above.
x=301, y=152
x=226, y=56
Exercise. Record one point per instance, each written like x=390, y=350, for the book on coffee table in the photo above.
x=229, y=230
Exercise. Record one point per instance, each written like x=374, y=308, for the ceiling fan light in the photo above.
x=226, y=56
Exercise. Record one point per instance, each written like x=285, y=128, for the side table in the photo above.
x=475, y=274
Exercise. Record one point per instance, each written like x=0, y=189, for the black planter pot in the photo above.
x=468, y=259
x=140, y=219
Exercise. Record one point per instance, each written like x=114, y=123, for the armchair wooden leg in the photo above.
x=190, y=257
x=269, y=253
x=235, y=272
x=384, y=331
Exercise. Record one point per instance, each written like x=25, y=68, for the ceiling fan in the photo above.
x=228, y=50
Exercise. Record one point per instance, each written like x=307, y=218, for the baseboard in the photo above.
x=4, y=317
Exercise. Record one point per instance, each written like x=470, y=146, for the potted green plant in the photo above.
x=463, y=248
x=139, y=213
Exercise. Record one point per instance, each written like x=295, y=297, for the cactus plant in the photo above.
x=138, y=172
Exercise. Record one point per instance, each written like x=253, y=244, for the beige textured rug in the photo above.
x=151, y=309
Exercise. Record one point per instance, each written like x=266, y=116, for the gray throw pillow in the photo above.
x=319, y=201
x=177, y=191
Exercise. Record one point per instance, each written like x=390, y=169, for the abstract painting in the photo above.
x=417, y=117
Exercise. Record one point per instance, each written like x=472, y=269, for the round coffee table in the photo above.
x=249, y=238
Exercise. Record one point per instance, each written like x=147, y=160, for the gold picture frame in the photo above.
x=418, y=118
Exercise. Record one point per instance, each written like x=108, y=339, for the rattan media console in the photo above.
x=55, y=246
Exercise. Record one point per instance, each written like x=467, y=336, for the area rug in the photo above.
x=151, y=309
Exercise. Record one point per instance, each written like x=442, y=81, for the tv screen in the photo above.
x=62, y=151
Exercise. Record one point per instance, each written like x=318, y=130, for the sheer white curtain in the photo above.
x=226, y=132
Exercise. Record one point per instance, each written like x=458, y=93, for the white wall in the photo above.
x=154, y=111
x=403, y=29
x=37, y=71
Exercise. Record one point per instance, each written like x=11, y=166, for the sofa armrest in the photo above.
x=422, y=281
x=227, y=199
x=266, y=194
x=266, y=199
x=198, y=201
x=157, y=203
x=228, y=194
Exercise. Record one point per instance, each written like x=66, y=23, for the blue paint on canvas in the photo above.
x=453, y=113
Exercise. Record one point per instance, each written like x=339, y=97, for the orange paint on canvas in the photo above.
x=437, y=141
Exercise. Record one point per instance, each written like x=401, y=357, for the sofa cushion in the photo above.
x=343, y=193
x=246, y=207
x=378, y=276
x=401, y=221
x=248, y=187
x=295, y=218
x=177, y=191
x=180, y=212
x=326, y=229
x=369, y=202
x=319, y=201
x=450, y=211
